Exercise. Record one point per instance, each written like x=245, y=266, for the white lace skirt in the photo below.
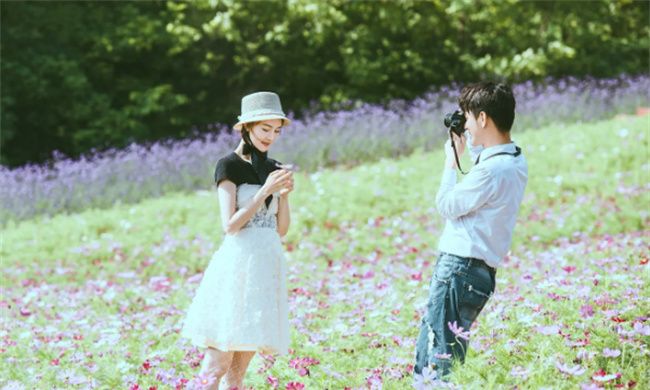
x=242, y=303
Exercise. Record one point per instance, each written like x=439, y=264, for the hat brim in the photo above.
x=240, y=124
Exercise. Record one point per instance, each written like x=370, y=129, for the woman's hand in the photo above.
x=276, y=181
x=288, y=188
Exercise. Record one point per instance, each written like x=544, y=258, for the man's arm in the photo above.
x=455, y=200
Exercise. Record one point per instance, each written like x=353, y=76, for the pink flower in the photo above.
x=611, y=353
x=555, y=297
x=375, y=380
x=294, y=386
x=602, y=376
x=426, y=380
x=159, y=283
x=272, y=381
x=583, y=354
x=302, y=365
x=573, y=371
x=180, y=385
x=458, y=330
x=166, y=376
x=548, y=330
x=568, y=269
x=519, y=372
x=195, y=278
x=586, y=311
x=202, y=381
x=641, y=330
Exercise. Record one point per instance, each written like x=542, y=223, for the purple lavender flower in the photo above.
x=356, y=134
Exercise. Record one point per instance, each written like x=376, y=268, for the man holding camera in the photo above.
x=480, y=214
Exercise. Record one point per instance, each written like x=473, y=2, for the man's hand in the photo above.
x=449, y=151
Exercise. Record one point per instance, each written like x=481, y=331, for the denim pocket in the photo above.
x=446, y=268
x=473, y=298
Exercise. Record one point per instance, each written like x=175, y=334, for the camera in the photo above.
x=456, y=122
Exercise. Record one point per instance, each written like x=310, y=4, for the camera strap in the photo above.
x=515, y=154
x=453, y=146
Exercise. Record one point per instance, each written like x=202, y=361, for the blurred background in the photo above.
x=97, y=96
x=79, y=76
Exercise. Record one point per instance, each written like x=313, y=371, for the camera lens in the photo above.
x=455, y=121
x=448, y=119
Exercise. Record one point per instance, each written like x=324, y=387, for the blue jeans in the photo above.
x=460, y=288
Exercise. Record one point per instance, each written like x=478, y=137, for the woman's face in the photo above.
x=264, y=133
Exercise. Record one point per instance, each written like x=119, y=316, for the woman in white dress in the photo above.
x=241, y=306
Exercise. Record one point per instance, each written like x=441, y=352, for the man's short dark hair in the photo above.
x=496, y=100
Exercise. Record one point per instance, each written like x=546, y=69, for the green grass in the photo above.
x=586, y=205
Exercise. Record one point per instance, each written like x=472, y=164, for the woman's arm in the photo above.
x=232, y=219
x=284, y=215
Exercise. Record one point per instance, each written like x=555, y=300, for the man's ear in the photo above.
x=482, y=119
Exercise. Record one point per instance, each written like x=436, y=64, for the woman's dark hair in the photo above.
x=248, y=126
x=246, y=136
x=496, y=100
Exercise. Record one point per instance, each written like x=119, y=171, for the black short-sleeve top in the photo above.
x=232, y=167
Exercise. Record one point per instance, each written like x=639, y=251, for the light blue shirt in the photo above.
x=482, y=209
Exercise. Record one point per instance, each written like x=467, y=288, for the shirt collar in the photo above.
x=492, y=150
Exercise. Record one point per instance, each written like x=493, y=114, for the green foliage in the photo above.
x=80, y=75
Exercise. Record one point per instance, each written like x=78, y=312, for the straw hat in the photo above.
x=260, y=106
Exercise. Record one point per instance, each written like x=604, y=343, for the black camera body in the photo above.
x=456, y=122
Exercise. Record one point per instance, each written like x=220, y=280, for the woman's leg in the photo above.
x=237, y=371
x=216, y=363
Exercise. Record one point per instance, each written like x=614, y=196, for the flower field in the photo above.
x=95, y=299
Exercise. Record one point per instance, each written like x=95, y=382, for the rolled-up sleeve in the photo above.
x=457, y=199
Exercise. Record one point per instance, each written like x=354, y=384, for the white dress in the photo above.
x=242, y=303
